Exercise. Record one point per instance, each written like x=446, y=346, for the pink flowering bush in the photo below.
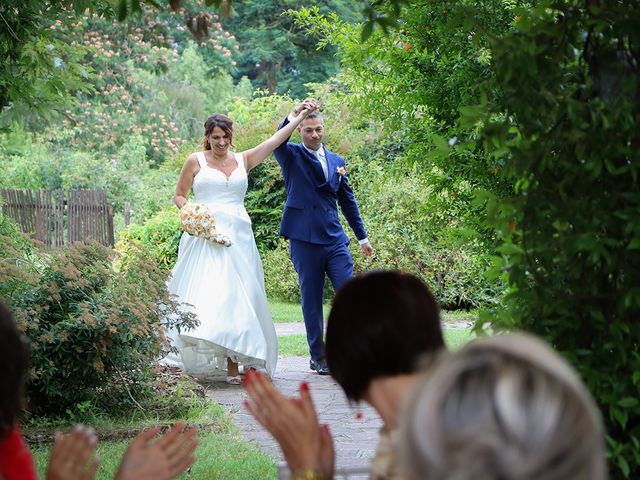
x=128, y=59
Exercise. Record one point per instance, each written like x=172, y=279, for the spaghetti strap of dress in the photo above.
x=202, y=161
x=240, y=160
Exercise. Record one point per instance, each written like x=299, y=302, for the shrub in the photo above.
x=159, y=236
x=567, y=131
x=94, y=325
x=280, y=278
x=19, y=258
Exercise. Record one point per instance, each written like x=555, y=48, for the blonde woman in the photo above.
x=503, y=407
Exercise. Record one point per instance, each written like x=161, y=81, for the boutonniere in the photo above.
x=341, y=171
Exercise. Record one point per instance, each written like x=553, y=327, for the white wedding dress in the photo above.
x=225, y=285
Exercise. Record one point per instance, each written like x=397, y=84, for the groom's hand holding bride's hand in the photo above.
x=310, y=104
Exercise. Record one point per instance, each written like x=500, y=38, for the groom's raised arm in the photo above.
x=283, y=151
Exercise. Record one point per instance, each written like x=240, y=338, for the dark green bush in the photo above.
x=280, y=278
x=567, y=130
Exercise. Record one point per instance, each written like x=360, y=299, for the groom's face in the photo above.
x=311, y=132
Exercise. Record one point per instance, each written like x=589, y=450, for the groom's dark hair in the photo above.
x=381, y=324
x=314, y=114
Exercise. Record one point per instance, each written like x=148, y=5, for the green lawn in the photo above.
x=219, y=456
x=292, y=312
x=289, y=312
x=296, y=345
x=222, y=453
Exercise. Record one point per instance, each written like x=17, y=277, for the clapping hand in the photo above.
x=293, y=422
x=163, y=459
x=72, y=456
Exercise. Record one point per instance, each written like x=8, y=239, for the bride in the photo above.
x=224, y=285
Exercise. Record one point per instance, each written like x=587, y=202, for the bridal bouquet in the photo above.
x=197, y=220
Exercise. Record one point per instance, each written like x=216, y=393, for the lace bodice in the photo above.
x=213, y=188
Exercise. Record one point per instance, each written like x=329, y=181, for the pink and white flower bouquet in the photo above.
x=197, y=220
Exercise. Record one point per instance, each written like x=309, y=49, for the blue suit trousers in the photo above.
x=311, y=262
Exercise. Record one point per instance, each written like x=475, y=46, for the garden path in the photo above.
x=355, y=439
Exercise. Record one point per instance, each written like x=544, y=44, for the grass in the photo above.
x=219, y=456
x=292, y=312
x=293, y=346
x=289, y=312
x=222, y=453
x=456, y=337
x=296, y=345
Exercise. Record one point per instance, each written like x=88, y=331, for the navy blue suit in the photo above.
x=317, y=242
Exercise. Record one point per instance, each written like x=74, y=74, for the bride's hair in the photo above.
x=221, y=121
x=503, y=407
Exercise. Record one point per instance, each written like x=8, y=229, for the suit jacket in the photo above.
x=310, y=212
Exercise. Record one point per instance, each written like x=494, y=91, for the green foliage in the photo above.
x=566, y=130
x=407, y=89
x=416, y=228
x=159, y=236
x=255, y=120
x=95, y=327
x=280, y=278
x=276, y=54
x=19, y=259
x=407, y=234
x=38, y=72
x=142, y=88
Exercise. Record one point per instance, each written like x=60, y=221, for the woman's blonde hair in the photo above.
x=504, y=407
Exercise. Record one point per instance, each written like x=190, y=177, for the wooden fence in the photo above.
x=41, y=214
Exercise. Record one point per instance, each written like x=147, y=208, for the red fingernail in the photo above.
x=247, y=378
x=358, y=415
x=258, y=373
x=246, y=404
x=304, y=386
x=325, y=427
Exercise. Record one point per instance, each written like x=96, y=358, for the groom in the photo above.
x=316, y=182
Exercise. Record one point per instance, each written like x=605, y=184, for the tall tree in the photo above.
x=278, y=55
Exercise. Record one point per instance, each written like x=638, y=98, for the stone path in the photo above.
x=355, y=439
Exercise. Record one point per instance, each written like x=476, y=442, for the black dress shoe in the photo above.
x=319, y=366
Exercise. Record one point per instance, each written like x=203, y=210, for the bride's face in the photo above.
x=219, y=141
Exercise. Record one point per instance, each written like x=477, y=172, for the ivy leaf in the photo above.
x=634, y=243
